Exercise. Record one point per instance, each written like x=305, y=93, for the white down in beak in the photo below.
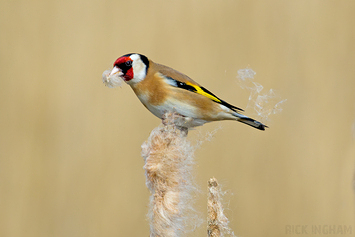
x=112, y=78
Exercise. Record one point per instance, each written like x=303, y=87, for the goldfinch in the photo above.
x=162, y=89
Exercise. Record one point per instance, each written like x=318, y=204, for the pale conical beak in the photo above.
x=114, y=71
x=112, y=78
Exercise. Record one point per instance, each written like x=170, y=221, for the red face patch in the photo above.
x=121, y=60
x=125, y=64
x=129, y=75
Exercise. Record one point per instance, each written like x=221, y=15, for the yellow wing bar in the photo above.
x=200, y=90
x=204, y=92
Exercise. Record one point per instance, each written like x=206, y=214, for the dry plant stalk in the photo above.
x=168, y=160
x=217, y=222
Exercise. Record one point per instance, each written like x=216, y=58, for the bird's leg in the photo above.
x=179, y=121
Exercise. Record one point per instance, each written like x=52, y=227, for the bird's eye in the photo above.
x=128, y=63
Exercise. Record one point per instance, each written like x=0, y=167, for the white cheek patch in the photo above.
x=112, y=80
x=139, y=69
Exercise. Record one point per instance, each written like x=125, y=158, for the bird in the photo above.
x=162, y=89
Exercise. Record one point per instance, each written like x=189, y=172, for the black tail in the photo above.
x=253, y=123
x=249, y=121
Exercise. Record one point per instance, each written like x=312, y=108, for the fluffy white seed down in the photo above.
x=111, y=81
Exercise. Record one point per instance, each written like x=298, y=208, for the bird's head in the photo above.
x=132, y=68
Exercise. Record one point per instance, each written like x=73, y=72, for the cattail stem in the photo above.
x=217, y=222
x=168, y=160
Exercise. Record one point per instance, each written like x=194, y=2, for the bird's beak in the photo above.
x=112, y=78
x=114, y=71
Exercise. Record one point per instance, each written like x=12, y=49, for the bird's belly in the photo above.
x=173, y=105
x=157, y=110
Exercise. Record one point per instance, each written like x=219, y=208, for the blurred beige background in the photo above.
x=70, y=161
